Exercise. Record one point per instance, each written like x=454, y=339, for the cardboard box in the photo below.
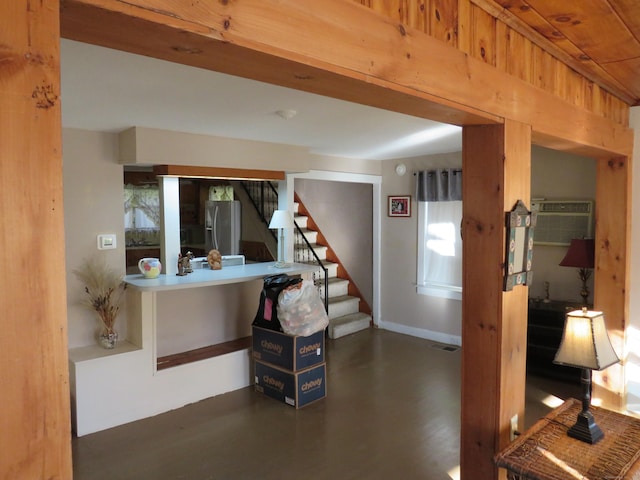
x=293, y=388
x=288, y=351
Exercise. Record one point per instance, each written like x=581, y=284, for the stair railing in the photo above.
x=264, y=197
x=304, y=253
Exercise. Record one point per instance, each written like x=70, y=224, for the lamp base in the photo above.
x=281, y=265
x=584, y=274
x=586, y=429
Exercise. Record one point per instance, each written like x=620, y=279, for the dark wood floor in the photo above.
x=392, y=411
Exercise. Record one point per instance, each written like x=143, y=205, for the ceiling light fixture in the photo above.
x=286, y=114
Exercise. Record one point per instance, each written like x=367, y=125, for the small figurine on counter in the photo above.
x=184, y=264
x=181, y=271
x=214, y=259
x=187, y=262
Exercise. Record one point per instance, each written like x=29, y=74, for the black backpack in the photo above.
x=267, y=316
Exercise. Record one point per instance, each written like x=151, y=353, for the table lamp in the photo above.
x=281, y=219
x=585, y=344
x=581, y=255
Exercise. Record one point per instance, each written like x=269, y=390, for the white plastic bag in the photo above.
x=300, y=310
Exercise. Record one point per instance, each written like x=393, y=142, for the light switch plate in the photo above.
x=107, y=241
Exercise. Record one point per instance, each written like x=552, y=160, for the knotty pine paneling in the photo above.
x=416, y=14
x=390, y=9
x=598, y=39
x=483, y=36
x=580, y=20
x=619, y=110
x=518, y=54
x=437, y=18
x=443, y=20
x=464, y=25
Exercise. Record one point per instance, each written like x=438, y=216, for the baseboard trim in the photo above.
x=421, y=333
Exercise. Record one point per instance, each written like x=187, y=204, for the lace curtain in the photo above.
x=141, y=207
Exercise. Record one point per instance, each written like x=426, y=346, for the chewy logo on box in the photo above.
x=292, y=352
x=293, y=388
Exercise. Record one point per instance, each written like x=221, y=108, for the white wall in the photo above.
x=93, y=204
x=151, y=146
x=199, y=317
x=345, y=165
x=402, y=308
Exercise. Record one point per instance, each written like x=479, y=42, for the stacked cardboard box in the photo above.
x=289, y=368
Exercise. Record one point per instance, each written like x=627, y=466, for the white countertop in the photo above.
x=203, y=277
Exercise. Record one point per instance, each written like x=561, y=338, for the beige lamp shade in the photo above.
x=585, y=342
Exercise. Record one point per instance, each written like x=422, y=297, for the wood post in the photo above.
x=35, y=431
x=613, y=224
x=496, y=173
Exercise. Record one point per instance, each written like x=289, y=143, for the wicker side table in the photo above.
x=545, y=452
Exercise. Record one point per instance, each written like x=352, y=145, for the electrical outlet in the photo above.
x=514, y=428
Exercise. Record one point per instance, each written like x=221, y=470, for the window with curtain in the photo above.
x=141, y=208
x=439, y=194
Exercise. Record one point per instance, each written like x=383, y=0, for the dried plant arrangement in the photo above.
x=104, y=288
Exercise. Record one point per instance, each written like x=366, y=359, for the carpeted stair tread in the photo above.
x=332, y=268
x=343, y=305
x=348, y=324
x=337, y=287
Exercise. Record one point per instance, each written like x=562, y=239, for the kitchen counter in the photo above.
x=204, y=277
x=98, y=376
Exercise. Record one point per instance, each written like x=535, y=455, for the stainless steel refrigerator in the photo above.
x=222, y=229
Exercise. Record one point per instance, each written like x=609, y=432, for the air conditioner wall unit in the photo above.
x=560, y=221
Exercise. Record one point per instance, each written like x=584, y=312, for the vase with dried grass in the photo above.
x=104, y=288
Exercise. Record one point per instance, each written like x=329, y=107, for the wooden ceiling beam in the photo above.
x=113, y=24
x=343, y=50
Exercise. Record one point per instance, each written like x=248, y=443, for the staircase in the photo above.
x=344, y=301
x=347, y=312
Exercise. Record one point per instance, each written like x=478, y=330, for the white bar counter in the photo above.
x=113, y=387
x=205, y=277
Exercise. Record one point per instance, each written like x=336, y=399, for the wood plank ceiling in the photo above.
x=599, y=39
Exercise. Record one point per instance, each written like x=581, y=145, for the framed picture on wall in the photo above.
x=399, y=206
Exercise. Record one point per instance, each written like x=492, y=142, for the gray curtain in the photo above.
x=439, y=185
